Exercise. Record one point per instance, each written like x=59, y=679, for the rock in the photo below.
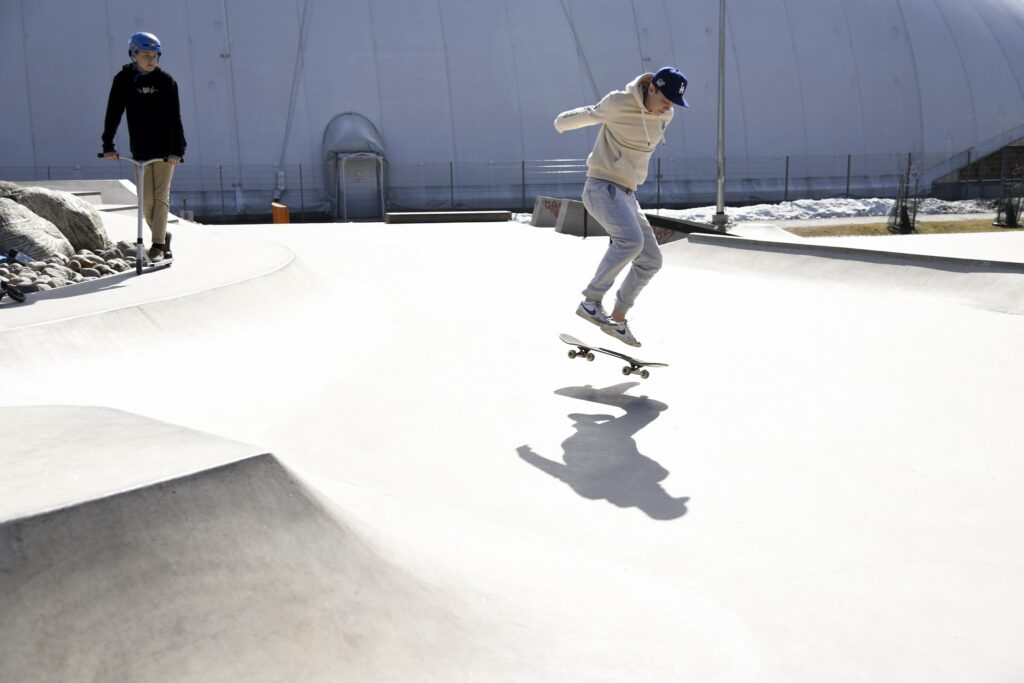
x=91, y=259
x=7, y=189
x=90, y=273
x=77, y=219
x=75, y=265
x=118, y=264
x=29, y=233
x=104, y=269
x=27, y=287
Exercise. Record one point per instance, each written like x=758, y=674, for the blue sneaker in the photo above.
x=593, y=312
x=621, y=332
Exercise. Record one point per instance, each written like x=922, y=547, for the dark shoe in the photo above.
x=156, y=252
x=167, y=247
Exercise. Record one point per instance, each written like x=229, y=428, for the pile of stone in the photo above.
x=64, y=236
x=60, y=271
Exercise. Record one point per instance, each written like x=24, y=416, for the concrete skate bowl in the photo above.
x=990, y=285
x=237, y=571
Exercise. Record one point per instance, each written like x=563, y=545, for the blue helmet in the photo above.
x=143, y=41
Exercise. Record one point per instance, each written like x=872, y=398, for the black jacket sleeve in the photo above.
x=177, y=130
x=115, y=109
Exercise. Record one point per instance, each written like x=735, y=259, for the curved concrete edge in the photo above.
x=799, y=246
x=206, y=258
x=65, y=455
x=991, y=285
x=232, y=572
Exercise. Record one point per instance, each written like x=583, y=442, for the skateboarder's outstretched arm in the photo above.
x=581, y=117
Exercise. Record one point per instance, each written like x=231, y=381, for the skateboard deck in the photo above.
x=584, y=350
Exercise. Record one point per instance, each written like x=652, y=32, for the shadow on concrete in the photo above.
x=601, y=460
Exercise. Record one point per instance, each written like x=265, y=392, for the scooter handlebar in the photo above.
x=101, y=155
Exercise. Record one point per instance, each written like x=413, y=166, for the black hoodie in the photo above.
x=154, y=114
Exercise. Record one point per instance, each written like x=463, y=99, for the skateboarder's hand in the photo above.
x=110, y=156
x=173, y=160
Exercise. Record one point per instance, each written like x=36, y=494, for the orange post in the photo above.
x=279, y=212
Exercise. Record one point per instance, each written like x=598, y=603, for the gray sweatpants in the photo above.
x=633, y=242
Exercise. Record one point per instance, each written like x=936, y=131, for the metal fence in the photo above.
x=228, y=192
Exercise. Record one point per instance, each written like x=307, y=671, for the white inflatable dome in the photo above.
x=463, y=92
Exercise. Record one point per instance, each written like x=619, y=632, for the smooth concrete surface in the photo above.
x=206, y=257
x=823, y=485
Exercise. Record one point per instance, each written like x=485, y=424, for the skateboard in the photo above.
x=635, y=367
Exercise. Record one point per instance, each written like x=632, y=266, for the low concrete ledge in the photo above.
x=574, y=219
x=448, y=216
x=866, y=255
x=110, y=191
x=546, y=211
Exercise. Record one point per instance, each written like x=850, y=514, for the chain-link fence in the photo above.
x=229, y=193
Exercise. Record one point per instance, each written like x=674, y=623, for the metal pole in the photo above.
x=719, y=219
x=302, y=198
x=785, y=191
x=380, y=186
x=140, y=176
x=658, y=206
x=524, y=184
x=344, y=192
x=220, y=173
x=451, y=181
x=967, y=177
x=849, y=162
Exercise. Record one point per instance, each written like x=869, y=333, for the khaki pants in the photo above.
x=156, y=201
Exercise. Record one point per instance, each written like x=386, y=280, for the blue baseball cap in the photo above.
x=671, y=83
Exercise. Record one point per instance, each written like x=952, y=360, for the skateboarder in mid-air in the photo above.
x=150, y=97
x=632, y=121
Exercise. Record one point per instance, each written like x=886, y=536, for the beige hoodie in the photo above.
x=629, y=133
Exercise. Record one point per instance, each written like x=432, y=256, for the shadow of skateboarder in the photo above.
x=601, y=460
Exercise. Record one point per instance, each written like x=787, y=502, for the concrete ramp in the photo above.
x=987, y=284
x=233, y=571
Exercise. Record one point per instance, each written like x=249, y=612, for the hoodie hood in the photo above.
x=638, y=86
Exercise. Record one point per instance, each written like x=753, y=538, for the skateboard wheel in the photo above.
x=644, y=374
x=627, y=370
x=590, y=356
x=572, y=354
